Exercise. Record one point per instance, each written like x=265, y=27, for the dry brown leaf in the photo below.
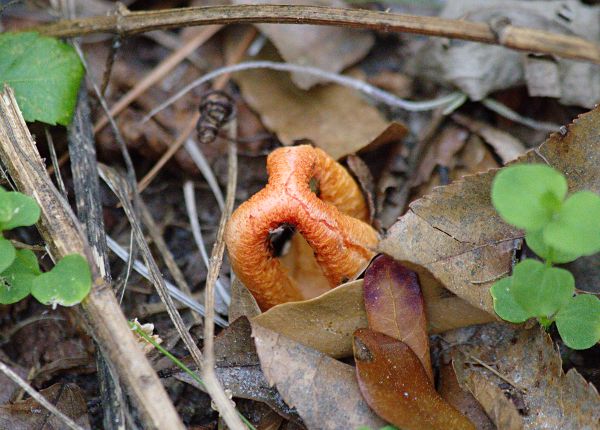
x=326, y=47
x=506, y=146
x=394, y=383
x=361, y=172
x=335, y=118
x=394, y=306
x=323, y=390
x=479, y=69
x=533, y=392
x=238, y=369
x=462, y=399
x=326, y=323
x=29, y=414
x=455, y=234
x=243, y=303
x=441, y=152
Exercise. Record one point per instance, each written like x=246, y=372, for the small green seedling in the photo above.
x=66, y=284
x=560, y=229
x=44, y=73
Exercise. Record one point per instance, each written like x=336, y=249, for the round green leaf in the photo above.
x=527, y=195
x=579, y=322
x=7, y=254
x=17, y=280
x=535, y=240
x=24, y=210
x=45, y=74
x=576, y=227
x=66, y=284
x=540, y=290
x=504, y=303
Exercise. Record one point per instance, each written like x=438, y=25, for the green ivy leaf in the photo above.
x=7, y=254
x=576, y=227
x=44, y=73
x=17, y=210
x=66, y=284
x=527, y=195
x=540, y=290
x=504, y=302
x=579, y=322
x=17, y=280
x=535, y=240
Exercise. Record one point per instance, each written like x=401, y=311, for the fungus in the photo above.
x=333, y=222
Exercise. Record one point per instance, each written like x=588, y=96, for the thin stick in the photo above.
x=38, y=397
x=208, y=370
x=372, y=91
x=118, y=186
x=518, y=38
x=159, y=72
x=191, y=126
x=63, y=235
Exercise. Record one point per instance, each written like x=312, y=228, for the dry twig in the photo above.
x=38, y=397
x=518, y=38
x=63, y=235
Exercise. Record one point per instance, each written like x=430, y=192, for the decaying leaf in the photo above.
x=479, y=69
x=326, y=323
x=394, y=306
x=455, y=235
x=395, y=385
x=523, y=384
x=326, y=47
x=323, y=390
x=335, y=118
x=8, y=386
x=506, y=146
x=238, y=369
x=28, y=414
x=242, y=303
x=461, y=399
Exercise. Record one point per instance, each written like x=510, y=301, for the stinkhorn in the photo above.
x=333, y=221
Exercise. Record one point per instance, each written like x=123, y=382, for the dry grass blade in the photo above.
x=159, y=72
x=63, y=235
x=216, y=259
x=38, y=397
x=518, y=38
x=119, y=187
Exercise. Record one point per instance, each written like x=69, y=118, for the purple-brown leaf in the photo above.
x=394, y=306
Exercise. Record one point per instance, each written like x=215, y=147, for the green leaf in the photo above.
x=540, y=290
x=527, y=195
x=535, y=240
x=17, y=280
x=7, y=254
x=66, y=284
x=44, y=73
x=576, y=227
x=17, y=210
x=504, y=302
x=579, y=322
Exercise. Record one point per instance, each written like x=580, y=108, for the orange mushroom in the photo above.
x=332, y=222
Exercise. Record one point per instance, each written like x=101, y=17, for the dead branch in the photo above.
x=127, y=23
x=63, y=235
